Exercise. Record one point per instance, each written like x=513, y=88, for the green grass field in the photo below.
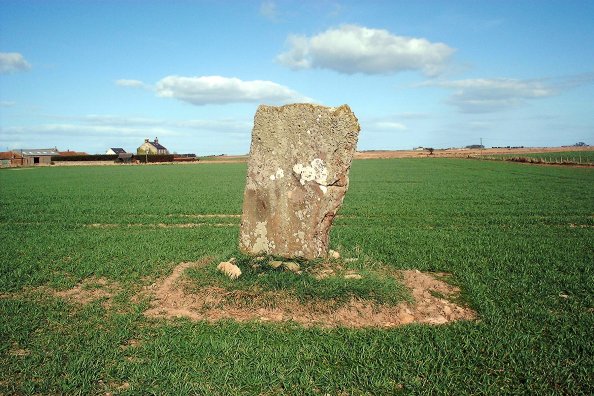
x=517, y=239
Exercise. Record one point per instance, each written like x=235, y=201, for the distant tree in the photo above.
x=580, y=144
x=430, y=149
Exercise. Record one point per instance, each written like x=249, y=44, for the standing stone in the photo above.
x=297, y=177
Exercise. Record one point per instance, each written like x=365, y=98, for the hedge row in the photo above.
x=111, y=157
x=153, y=158
x=98, y=157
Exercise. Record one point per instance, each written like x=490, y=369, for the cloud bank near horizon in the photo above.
x=487, y=95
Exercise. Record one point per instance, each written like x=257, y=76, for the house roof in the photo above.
x=9, y=155
x=158, y=145
x=37, y=152
x=118, y=150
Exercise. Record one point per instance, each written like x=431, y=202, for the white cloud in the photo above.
x=220, y=90
x=269, y=10
x=11, y=62
x=277, y=11
x=488, y=95
x=388, y=126
x=116, y=121
x=6, y=103
x=79, y=131
x=110, y=126
x=221, y=126
x=130, y=83
x=216, y=125
x=354, y=49
x=385, y=124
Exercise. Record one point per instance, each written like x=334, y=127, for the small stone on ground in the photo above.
x=292, y=266
x=229, y=269
x=333, y=254
x=275, y=264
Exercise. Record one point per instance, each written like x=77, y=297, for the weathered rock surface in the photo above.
x=298, y=168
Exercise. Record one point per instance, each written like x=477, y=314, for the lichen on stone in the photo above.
x=261, y=242
x=315, y=171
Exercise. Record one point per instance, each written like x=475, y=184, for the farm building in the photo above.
x=115, y=151
x=9, y=159
x=37, y=156
x=154, y=147
x=124, y=158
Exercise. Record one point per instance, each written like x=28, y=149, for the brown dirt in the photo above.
x=89, y=290
x=572, y=225
x=214, y=303
x=113, y=386
x=462, y=153
x=131, y=343
x=15, y=350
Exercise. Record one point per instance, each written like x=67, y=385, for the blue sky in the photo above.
x=89, y=75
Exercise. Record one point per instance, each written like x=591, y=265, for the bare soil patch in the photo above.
x=85, y=292
x=131, y=343
x=572, y=225
x=88, y=291
x=16, y=350
x=434, y=303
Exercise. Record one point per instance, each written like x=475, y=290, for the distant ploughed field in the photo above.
x=460, y=153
